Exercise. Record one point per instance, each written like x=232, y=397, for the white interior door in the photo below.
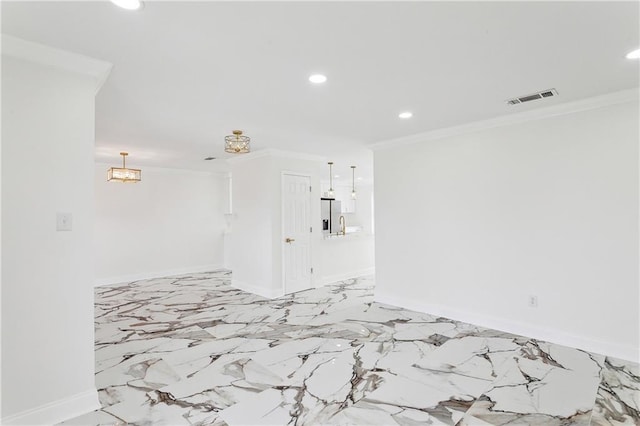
x=296, y=232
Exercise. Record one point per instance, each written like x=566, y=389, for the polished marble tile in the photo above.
x=192, y=350
x=618, y=398
x=543, y=384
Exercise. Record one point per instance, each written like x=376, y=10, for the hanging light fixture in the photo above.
x=122, y=174
x=353, y=182
x=236, y=143
x=330, y=193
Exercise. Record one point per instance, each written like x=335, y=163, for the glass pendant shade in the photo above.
x=330, y=192
x=353, y=182
x=237, y=143
x=123, y=174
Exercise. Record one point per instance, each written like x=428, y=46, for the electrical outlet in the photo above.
x=532, y=301
x=64, y=221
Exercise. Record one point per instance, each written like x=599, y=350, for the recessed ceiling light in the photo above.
x=128, y=4
x=405, y=115
x=318, y=78
x=634, y=55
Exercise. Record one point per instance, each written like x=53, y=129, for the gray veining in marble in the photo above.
x=192, y=350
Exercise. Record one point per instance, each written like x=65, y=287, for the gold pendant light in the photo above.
x=122, y=174
x=330, y=193
x=353, y=182
x=236, y=143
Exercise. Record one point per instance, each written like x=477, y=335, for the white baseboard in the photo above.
x=330, y=279
x=626, y=352
x=269, y=293
x=56, y=411
x=157, y=274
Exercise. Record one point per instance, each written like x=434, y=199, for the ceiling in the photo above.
x=187, y=73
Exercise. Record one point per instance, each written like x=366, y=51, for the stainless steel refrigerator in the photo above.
x=330, y=210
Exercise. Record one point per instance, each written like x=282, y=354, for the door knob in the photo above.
x=289, y=240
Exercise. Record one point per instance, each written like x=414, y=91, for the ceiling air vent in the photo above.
x=544, y=94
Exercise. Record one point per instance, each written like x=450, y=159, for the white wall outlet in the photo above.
x=532, y=301
x=64, y=221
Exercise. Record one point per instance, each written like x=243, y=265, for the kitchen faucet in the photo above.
x=343, y=225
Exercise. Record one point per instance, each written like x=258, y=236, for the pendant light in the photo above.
x=353, y=182
x=122, y=174
x=237, y=143
x=330, y=193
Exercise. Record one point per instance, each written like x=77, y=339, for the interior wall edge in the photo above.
x=57, y=58
x=264, y=291
x=56, y=411
x=116, y=163
x=625, y=352
x=124, y=279
x=595, y=102
x=332, y=279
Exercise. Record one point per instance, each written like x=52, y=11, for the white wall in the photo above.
x=255, y=247
x=250, y=248
x=171, y=222
x=469, y=226
x=346, y=257
x=303, y=166
x=256, y=237
x=47, y=297
x=353, y=255
x=0, y=264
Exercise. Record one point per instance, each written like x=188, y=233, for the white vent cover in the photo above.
x=540, y=95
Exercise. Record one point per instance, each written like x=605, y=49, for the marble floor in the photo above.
x=192, y=350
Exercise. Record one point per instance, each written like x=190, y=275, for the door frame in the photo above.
x=284, y=173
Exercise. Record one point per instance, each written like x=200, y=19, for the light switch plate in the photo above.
x=64, y=221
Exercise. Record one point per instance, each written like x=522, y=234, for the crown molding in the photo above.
x=274, y=153
x=595, y=102
x=56, y=58
x=217, y=173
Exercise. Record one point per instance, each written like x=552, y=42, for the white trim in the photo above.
x=274, y=153
x=220, y=174
x=56, y=411
x=249, y=156
x=260, y=291
x=615, y=98
x=157, y=274
x=296, y=155
x=57, y=58
x=331, y=279
x=626, y=352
